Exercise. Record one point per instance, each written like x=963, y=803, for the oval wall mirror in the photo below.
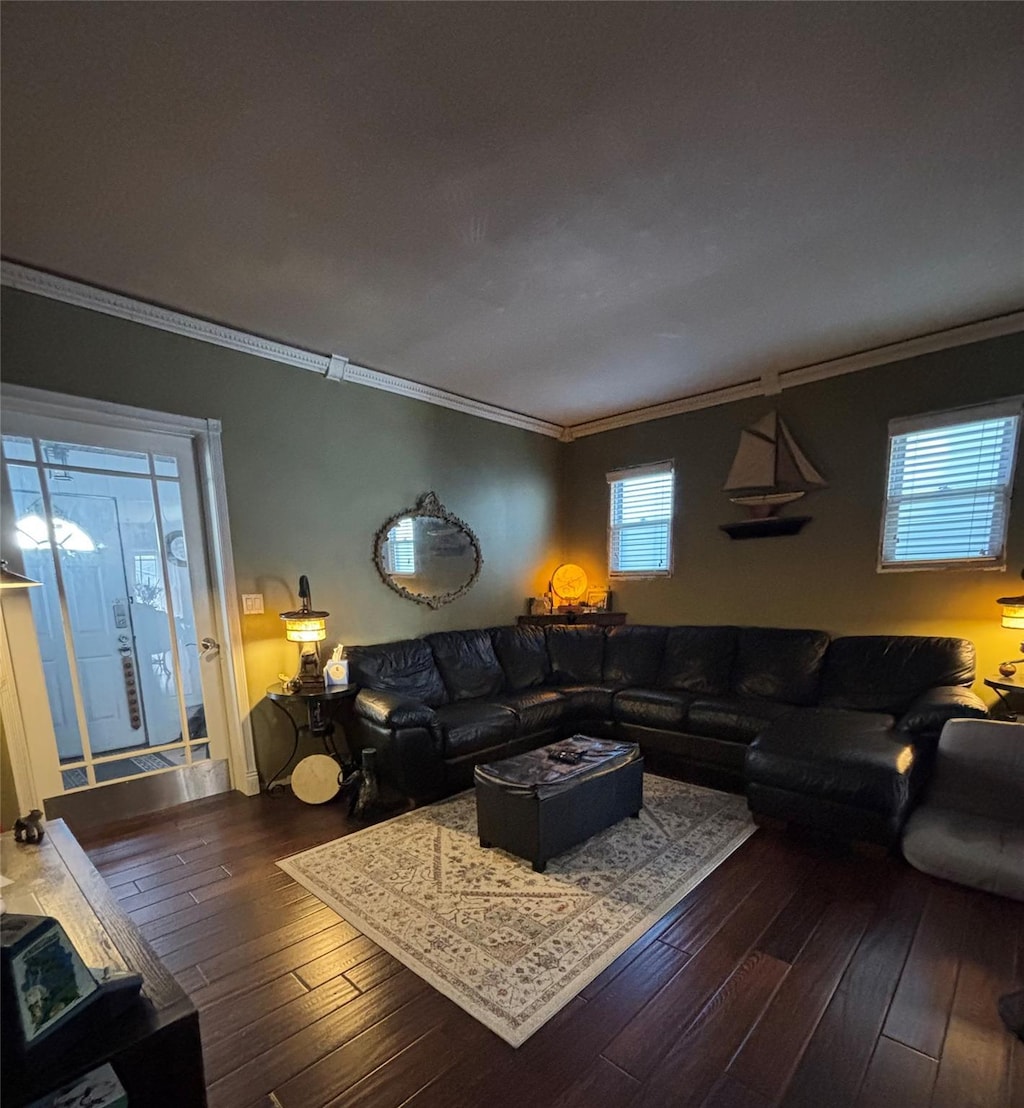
x=426, y=554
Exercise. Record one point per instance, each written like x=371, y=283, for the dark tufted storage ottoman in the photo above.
x=852, y=775
x=535, y=806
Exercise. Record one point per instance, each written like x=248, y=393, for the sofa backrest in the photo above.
x=698, y=659
x=467, y=663
x=576, y=653
x=522, y=653
x=886, y=673
x=777, y=663
x=406, y=667
x=632, y=655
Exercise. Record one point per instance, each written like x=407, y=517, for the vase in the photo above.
x=369, y=791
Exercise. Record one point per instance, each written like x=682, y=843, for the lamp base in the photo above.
x=310, y=677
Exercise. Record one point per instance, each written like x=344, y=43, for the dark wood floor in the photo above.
x=791, y=976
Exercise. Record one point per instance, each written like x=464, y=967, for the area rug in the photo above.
x=509, y=945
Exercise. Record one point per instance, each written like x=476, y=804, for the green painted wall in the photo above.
x=313, y=468
x=825, y=576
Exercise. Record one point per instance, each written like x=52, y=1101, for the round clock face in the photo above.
x=569, y=581
x=176, y=549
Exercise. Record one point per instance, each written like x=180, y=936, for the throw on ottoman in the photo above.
x=849, y=774
x=543, y=802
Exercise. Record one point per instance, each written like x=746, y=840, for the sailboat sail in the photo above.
x=769, y=467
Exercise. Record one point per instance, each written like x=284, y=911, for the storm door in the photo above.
x=110, y=522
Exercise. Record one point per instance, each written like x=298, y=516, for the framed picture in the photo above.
x=598, y=599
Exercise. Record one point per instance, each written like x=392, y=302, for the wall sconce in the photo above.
x=308, y=628
x=1013, y=616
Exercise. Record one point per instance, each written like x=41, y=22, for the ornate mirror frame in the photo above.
x=427, y=505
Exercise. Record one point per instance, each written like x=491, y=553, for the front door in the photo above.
x=110, y=522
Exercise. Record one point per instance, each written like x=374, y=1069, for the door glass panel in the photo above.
x=165, y=466
x=60, y=454
x=131, y=767
x=18, y=448
x=27, y=497
x=169, y=494
x=74, y=778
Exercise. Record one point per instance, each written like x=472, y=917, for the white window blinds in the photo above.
x=640, y=526
x=948, y=488
x=401, y=549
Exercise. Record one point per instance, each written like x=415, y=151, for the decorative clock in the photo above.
x=569, y=582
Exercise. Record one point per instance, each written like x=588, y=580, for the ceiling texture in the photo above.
x=568, y=210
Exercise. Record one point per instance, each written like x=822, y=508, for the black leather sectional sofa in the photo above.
x=834, y=732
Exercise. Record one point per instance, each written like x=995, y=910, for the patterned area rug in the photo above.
x=509, y=945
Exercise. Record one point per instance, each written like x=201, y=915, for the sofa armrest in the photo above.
x=387, y=709
x=933, y=708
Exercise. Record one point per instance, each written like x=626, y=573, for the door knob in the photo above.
x=208, y=647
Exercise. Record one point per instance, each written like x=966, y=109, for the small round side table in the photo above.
x=318, y=721
x=1008, y=688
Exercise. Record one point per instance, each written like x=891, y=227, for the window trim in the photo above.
x=649, y=469
x=1012, y=406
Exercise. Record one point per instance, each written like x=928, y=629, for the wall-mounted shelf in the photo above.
x=764, y=528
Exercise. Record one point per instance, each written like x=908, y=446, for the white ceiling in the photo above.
x=564, y=209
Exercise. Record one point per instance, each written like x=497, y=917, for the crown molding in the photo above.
x=336, y=367
x=774, y=381
x=402, y=386
x=332, y=367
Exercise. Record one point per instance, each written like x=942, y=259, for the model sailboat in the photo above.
x=769, y=470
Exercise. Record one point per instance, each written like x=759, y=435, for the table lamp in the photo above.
x=1013, y=616
x=308, y=628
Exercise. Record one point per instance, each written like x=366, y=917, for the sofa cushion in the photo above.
x=853, y=758
x=536, y=709
x=473, y=725
x=588, y=701
x=662, y=708
x=467, y=663
x=779, y=664
x=523, y=655
x=886, y=673
x=632, y=655
x=698, y=659
x=738, y=719
x=576, y=654
x=405, y=667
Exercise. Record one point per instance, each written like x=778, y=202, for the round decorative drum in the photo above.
x=315, y=779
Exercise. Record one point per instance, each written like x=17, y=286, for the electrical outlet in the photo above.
x=252, y=603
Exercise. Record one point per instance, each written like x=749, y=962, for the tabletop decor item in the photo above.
x=569, y=584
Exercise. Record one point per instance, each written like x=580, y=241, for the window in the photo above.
x=948, y=488
x=640, y=527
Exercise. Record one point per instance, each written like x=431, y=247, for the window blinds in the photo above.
x=948, y=491
x=640, y=530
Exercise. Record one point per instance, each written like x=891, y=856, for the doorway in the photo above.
x=132, y=619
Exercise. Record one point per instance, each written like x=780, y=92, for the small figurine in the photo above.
x=29, y=829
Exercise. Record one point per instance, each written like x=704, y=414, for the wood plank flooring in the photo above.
x=794, y=976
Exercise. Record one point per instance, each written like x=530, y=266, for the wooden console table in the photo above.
x=600, y=619
x=154, y=1047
